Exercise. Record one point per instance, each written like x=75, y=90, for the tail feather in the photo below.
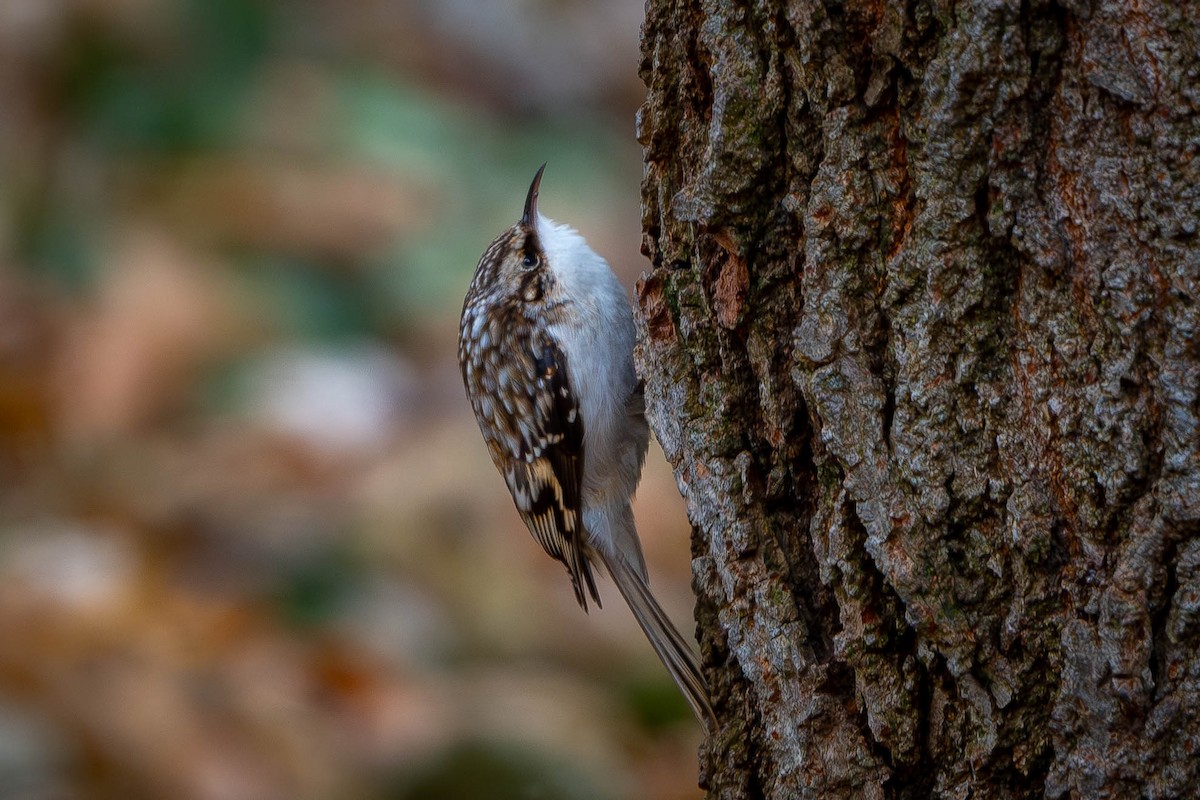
x=668, y=643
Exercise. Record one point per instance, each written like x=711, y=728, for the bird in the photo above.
x=546, y=343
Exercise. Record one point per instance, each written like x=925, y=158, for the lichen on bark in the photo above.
x=920, y=340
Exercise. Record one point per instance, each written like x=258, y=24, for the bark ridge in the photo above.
x=921, y=340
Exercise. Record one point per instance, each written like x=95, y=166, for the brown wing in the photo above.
x=546, y=476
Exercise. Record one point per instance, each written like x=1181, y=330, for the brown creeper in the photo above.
x=546, y=348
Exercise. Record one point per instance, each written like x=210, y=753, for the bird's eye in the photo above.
x=530, y=261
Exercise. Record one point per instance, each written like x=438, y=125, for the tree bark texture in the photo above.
x=921, y=340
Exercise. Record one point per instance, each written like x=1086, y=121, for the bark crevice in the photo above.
x=919, y=340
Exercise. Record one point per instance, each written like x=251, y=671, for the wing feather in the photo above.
x=546, y=476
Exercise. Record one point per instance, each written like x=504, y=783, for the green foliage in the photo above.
x=180, y=98
x=57, y=240
x=656, y=702
x=479, y=771
x=313, y=590
x=308, y=301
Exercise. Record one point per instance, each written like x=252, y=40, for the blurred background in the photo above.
x=251, y=545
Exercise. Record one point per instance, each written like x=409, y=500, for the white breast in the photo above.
x=598, y=342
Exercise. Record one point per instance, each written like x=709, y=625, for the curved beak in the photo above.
x=530, y=215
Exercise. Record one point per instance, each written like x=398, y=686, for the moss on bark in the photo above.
x=920, y=340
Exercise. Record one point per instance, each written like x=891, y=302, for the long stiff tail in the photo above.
x=670, y=646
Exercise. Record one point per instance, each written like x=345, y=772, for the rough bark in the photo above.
x=921, y=340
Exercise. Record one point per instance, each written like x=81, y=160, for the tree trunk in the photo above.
x=922, y=343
